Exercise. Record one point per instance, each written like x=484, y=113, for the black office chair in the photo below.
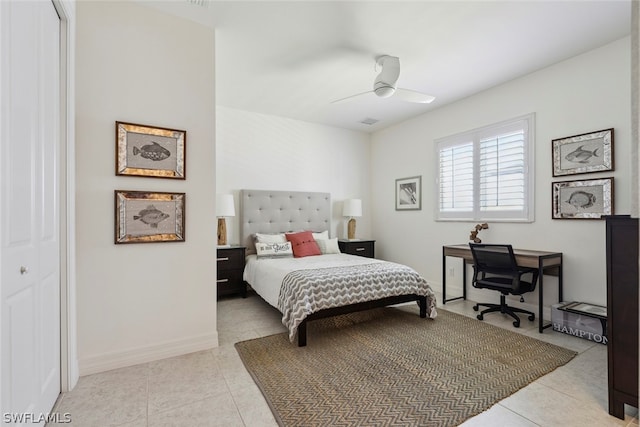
x=495, y=268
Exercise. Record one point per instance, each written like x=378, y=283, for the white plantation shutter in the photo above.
x=486, y=173
x=502, y=183
x=456, y=178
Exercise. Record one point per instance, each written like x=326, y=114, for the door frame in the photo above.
x=69, y=371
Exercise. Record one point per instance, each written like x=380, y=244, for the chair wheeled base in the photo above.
x=504, y=309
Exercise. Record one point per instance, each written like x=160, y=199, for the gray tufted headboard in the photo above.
x=264, y=211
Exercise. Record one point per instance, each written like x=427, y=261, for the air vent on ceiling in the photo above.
x=203, y=3
x=369, y=121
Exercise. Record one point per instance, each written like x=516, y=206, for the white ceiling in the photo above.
x=293, y=58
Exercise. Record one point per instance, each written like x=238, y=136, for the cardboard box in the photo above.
x=580, y=325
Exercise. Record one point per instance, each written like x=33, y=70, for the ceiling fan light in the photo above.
x=384, y=90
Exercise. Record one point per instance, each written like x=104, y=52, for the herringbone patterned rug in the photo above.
x=388, y=367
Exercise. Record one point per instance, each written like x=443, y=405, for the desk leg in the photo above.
x=541, y=327
x=540, y=295
x=560, y=297
x=464, y=279
x=444, y=278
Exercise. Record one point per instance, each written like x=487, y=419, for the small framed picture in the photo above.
x=146, y=217
x=409, y=193
x=587, y=199
x=150, y=151
x=586, y=153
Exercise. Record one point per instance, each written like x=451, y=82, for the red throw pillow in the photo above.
x=303, y=244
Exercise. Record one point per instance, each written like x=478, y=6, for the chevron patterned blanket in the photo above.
x=304, y=292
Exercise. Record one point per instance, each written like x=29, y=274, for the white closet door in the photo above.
x=29, y=207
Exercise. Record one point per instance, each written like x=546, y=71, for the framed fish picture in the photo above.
x=585, y=153
x=147, y=217
x=150, y=151
x=586, y=199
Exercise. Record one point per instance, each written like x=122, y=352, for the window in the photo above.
x=487, y=173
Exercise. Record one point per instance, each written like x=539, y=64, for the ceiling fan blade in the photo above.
x=349, y=98
x=413, y=96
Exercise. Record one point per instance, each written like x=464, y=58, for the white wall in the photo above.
x=586, y=93
x=68, y=324
x=139, y=302
x=264, y=152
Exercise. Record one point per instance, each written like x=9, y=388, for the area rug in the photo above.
x=389, y=367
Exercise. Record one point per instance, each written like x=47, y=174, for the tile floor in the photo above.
x=212, y=388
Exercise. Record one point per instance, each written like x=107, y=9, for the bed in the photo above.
x=312, y=287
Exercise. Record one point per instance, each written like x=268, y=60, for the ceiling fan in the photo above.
x=384, y=85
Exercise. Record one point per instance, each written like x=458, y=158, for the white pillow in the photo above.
x=328, y=246
x=321, y=236
x=271, y=238
x=274, y=250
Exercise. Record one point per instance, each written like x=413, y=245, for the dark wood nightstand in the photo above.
x=230, y=262
x=365, y=248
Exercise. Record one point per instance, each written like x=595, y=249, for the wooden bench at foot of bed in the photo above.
x=352, y=308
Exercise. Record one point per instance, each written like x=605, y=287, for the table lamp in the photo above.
x=352, y=208
x=224, y=208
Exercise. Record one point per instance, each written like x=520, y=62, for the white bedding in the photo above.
x=299, y=287
x=265, y=275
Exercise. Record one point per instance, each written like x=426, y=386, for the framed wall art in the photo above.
x=150, y=151
x=586, y=199
x=146, y=217
x=409, y=193
x=586, y=153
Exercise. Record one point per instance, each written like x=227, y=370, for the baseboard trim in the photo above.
x=135, y=356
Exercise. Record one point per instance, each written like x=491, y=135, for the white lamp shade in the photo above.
x=352, y=208
x=224, y=205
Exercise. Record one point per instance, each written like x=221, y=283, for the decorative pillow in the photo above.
x=274, y=250
x=320, y=236
x=328, y=246
x=303, y=244
x=271, y=238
